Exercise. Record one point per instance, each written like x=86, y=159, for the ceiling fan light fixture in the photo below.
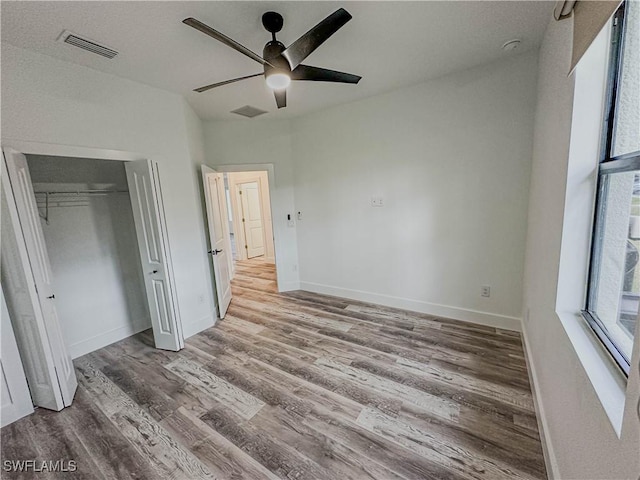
x=278, y=80
x=283, y=64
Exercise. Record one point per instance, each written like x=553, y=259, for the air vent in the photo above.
x=248, y=111
x=86, y=44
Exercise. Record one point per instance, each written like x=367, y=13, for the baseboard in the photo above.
x=191, y=329
x=107, y=338
x=456, y=313
x=547, y=447
x=288, y=286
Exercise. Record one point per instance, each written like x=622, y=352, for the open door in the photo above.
x=148, y=216
x=216, y=201
x=14, y=392
x=28, y=285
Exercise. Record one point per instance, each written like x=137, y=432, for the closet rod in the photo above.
x=77, y=192
x=81, y=192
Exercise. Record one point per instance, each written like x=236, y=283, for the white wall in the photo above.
x=51, y=101
x=246, y=142
x=451, y=158
x=195, y=143
x=566, y=363
x=93, y=250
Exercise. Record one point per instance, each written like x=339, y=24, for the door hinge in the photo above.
x=243, y=220
x=240, y=192
x=247, y=247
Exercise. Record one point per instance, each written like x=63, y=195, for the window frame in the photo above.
x=608, y=165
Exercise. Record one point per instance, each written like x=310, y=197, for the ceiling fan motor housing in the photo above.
x=272, y=53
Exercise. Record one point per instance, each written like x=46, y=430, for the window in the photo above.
x=614, y=281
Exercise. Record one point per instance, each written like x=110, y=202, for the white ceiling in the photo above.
x=390, y=44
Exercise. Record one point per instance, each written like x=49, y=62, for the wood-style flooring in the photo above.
x=297, y=386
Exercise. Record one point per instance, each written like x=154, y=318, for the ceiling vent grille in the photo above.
x=88, y=45
x=248, y=111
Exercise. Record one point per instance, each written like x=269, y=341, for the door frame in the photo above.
x=27, y=147
x=270, y=169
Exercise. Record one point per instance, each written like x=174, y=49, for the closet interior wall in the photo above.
x=90, y=235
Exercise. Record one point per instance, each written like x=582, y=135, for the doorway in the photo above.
x=251, y=227
x=84, y=261
x=240, y=225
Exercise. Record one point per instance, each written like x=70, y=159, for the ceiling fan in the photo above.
x=283, y=64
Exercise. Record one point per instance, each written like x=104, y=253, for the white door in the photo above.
x=30, y=292
x=148, y=216
x=252, y=218
x=216, y=201
x=16, y=401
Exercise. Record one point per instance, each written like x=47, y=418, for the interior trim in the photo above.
x=547, y=447
x=445, y=311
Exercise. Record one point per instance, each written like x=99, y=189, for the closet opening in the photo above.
x=85, y=259
x=90, y=235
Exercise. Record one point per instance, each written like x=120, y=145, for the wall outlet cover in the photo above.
x=377, y=202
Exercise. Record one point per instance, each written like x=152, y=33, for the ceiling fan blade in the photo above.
x=192, y=22
x=307, y=43
x=317, y=74
x=281, y=97
x=219, y=84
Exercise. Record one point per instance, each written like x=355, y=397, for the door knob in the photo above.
x=51, y=297
x=215, y=252
x=155, y=271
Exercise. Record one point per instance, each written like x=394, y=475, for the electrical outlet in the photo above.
x=377, y=202
x=200, y=298
x=485, y=291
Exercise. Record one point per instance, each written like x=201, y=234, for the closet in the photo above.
x=85, y=261
x=87, y=222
